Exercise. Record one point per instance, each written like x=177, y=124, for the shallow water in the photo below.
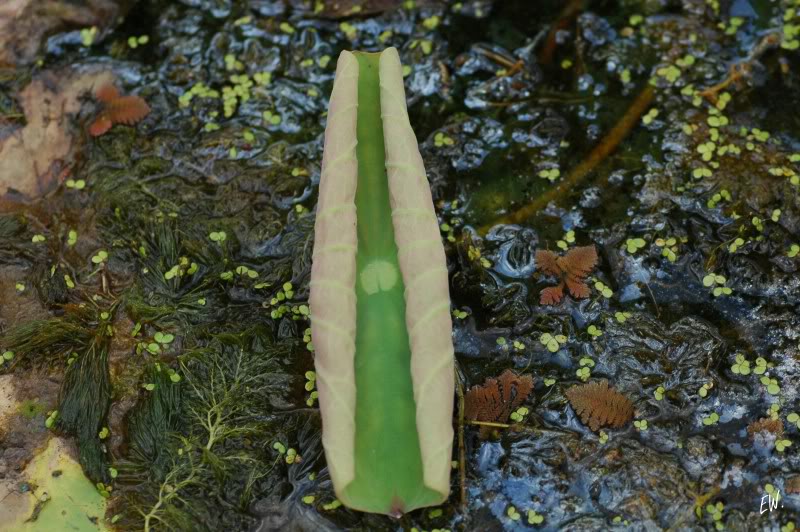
x=184, y=340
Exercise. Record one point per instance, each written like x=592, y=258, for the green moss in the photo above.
x=154, y=417
x=31, y=408
x=200, y=442
x=85, y=397
x=65, y=498
x=40, y=341
x=11, y=226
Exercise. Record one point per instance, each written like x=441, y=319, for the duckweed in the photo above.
x=535, y=518
x=741, y=366
x=622, y=316
x=550, y=174
x=594, y=331
x=552, y=342
x=632, y=245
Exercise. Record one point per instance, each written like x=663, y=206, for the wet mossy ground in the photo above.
x=166, y=298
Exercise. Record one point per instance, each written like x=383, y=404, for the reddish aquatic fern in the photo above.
x=117, y=109
x=764, y=425
x=496, y=399
x=571, y=269
x=600, y=406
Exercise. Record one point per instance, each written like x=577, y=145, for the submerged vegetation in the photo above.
x=200, y=436
x=154, y=279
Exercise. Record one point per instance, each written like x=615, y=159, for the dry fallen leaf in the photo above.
x=32, y=157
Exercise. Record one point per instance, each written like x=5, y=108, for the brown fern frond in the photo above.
x=552, y=295
x=793, y=484
x=579, y=262
x=127, y=110
x=100, y=125
x=577, y=288
x=107, y=93
x=483, y=403
x=515, y=388
x=600, y=406
x=117, y=110
x=765, y=424
x=547, y=261
x=496, y=399
x=571, y=269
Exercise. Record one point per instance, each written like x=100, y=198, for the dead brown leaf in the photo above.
x=34, y=156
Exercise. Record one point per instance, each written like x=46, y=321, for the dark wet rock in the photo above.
x=507, y=302
x=514, y=257
x=642, y=351
x=700, y=460
x=505, y=84
x=642, y=484
x=348, y=8
x=474, y=139
x=547, y=129
x=596, y=30
x=51, y=285
x=217, y=8
x=269, y=8
x=591, y=198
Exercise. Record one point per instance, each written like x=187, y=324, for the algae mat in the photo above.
x=60, y=498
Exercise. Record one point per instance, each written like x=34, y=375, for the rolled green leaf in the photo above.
x=380, y=305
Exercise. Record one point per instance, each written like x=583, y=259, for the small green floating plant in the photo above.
x=380, y=303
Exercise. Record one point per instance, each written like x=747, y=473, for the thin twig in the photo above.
x=462, y=461
x=491, y=424
x=568, y=14
x=596, y=156
x=509, y=63
x=744, y=68
x=699, y=501
x=653, y=297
